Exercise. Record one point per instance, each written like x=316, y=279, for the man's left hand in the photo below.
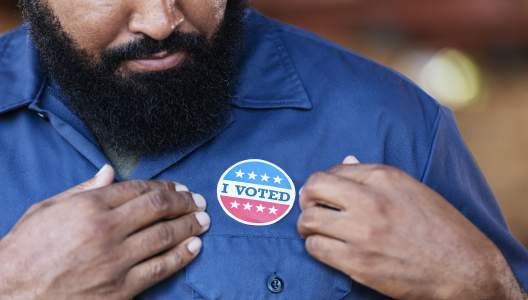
x=389, y=232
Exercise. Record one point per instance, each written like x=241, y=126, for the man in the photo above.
x=242, y=111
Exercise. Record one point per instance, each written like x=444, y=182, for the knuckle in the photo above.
x=138, y=187
x=91, y=229
x=165, y=234
x=186, y=201
x=99, y=227
x=339, y=169
x=392, y=172
x=91, y=203
x=379, y=172
x=376, y=232
x=316, y=180
x=157, y=271
x=83, y=186
x=109, y=272
x=158, y=201
x=34, y=207
x=379, y=206
x=379, y=167
x=46, y=203
x=178, y=260
x=110, y=283
x=313, y=244
x=384, y=172
x=166, y=185
x=191, y=226
x=308, y=221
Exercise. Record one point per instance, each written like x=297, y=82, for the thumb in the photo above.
x=104, y=177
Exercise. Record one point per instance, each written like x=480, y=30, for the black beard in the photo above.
x=148, y=113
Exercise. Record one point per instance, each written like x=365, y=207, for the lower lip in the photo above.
x=155, y=64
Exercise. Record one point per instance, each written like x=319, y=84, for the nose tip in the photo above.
x=156, y=21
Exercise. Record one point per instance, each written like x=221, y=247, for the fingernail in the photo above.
x=102, y=170
x=300, y=190
x=203, y=218
x=350, y=160
x=180, y=187
x=104, y=177
x=194, y=245
x=199, y=200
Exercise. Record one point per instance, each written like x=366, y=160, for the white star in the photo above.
x=235, y=204
x=277, y=179
x=247, y=206
x=260, y=208
x=240, y=174
x=252, y=175
x=264, y=177
x=272, y=210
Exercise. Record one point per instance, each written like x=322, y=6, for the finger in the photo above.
x=120, y=193
x=156, y=269
x=103, y=178
x=165, y=235
x=155, y=206
x=327, y=250
x=350, y=160
x=330, y=190
x=340, y=256
x=371, y=174
x=320, y=220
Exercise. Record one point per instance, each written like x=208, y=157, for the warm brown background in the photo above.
x=493, y=33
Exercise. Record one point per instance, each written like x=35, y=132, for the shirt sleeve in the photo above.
x=452, y=172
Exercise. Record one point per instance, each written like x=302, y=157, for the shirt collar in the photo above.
x=20, y=75
x=267, y=78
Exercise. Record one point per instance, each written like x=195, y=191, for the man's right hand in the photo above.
x=101, y=240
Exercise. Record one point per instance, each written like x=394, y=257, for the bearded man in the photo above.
x=241, y=111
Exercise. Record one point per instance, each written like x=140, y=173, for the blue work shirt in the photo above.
x=303, y=104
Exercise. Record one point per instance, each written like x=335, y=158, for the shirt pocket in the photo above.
x=243, y=267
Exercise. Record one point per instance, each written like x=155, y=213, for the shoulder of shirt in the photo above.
x=334, y=75
x=8, y=38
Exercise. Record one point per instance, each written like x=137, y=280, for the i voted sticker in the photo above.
x=256, y=192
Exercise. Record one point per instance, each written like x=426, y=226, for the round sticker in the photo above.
x=256, y=192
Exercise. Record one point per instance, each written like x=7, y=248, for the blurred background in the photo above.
x=471, y=55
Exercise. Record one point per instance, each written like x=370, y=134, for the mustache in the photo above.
x=191, y=43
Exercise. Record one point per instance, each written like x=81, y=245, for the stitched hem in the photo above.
x=432, y=146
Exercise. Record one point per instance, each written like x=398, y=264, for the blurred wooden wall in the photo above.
x=9, y=15
x=469, y=23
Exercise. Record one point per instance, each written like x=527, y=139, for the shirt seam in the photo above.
x=3, y=46
x=432, y=146
x=281, y=48
x=22, y=102
x=11, y=106
x=5, y=42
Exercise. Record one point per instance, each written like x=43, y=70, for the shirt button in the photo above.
x=42, y=115
x=275, y=284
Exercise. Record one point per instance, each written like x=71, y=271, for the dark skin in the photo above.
x=102, y=240
x=390, y=232
x=96, y=25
